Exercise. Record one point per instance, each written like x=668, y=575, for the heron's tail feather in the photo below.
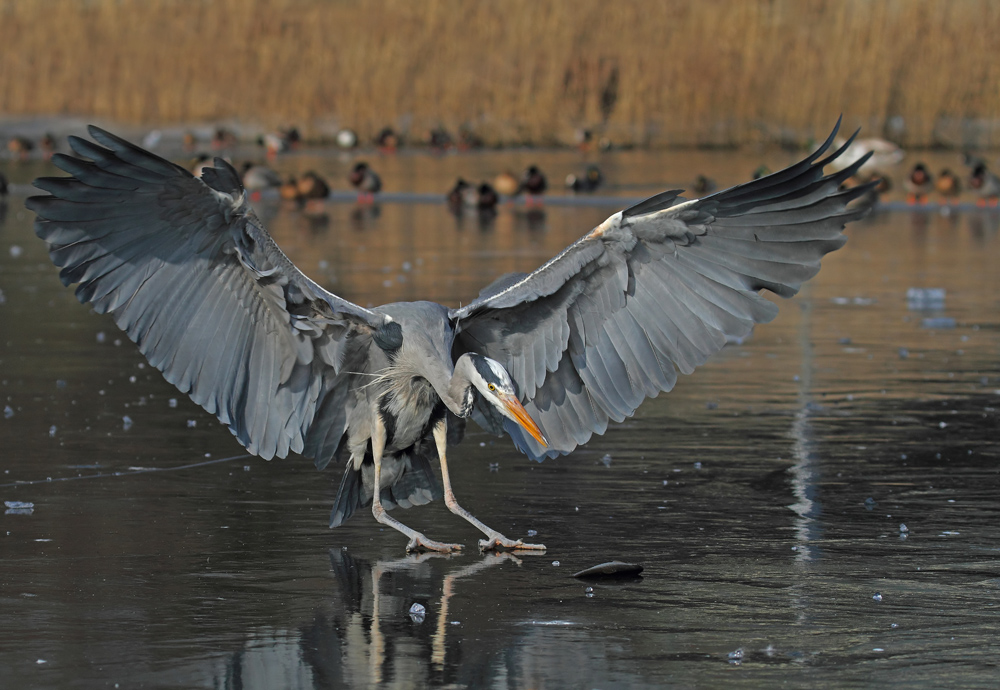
x=408, y=480
x=348, y=496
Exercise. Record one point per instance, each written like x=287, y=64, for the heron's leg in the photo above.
x=417, y=540
x=496, y=540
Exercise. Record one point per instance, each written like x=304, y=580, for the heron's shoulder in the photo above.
x=416, y=315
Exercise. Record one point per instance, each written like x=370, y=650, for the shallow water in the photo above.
x=744, y=492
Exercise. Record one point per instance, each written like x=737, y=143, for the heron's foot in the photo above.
x=421, y=543
x=499, y=542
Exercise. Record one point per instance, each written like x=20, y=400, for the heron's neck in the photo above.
x=460, y=395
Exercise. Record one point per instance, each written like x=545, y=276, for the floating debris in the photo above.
x=19, y=507
x=589, y=592
x=532, y=532
x=611, y=569
x=192, y=423
x=52, y=431
x=15, y=251
x=858, y=301
x=877, y=596
x=8, y=412
x=172, y=402
x=903, y=353
x=126, y=423
x=919, y=299
x=101, y=337
x=418, y=613
x=606, y=460
x=938, y=322
x=870, y=503
x=903, y=528
x=736, y=655
x=556, y=563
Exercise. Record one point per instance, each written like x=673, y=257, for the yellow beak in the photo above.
x=517, y=410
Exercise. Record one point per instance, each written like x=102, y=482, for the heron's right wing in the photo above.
x=188, y=271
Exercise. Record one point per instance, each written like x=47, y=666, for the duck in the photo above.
x=366, y=181
x=311, y=187
x=583, y=138
x=588, y=182
x=387, y=140
x=948, y=185
x=223, y=139
x=533, y=185
x=20, y=147
x=460, y=195
x=506, y=183
x=48, y=145
x=289, y=189
x=439, y=140
x=256, y=178
x=274, y=143
x=487, y=197
x=985, y=184
x=885, y=154
x=918, y=184
x=703, y=185
x=347, y=139
x=482, y=197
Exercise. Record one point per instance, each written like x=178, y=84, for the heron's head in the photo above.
x=497, y=388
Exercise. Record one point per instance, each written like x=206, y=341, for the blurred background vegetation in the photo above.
x=669, y=73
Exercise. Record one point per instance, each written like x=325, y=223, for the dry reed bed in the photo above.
x=716, y=72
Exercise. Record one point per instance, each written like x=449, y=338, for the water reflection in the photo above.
x=370, y=636
x=805, y=472
x=742, y=492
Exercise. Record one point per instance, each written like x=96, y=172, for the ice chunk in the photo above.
x=418, y=613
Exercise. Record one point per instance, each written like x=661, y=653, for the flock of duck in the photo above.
x=919, y=184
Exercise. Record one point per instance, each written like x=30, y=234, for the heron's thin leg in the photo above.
x=417, y=540
x=496, y=540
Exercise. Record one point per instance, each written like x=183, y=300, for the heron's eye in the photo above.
x=492, y=387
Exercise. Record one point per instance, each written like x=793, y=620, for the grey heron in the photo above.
x=187, y=270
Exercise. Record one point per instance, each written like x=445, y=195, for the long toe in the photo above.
x=422, y=543
x=500, y=542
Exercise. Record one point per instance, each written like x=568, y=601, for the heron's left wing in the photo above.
x=655, y=289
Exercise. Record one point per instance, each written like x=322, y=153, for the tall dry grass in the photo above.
x=714, y=72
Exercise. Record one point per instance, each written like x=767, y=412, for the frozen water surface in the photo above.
x=203, y=575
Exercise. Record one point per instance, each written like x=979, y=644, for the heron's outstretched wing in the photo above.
x=654, y=290
x=188, y=271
